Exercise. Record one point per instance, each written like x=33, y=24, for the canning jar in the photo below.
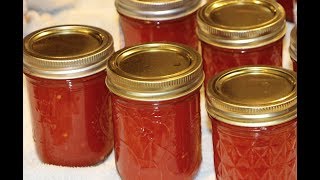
x=293, y=48
x=65, y=72
x=155, y=100
x=253, y=110
x=236, y=33
x=158, y=20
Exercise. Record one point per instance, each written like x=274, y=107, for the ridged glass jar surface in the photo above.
x=257, y=153
x=158, y=139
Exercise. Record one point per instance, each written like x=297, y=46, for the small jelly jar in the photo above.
x=155, y=96
x=236, y=33
x=293, y=48
x=253, y=110
x=64, y=67
x=158, y=20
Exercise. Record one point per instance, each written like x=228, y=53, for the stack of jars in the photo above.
x=143, y=101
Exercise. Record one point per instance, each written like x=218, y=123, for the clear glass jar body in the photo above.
x=71, y=119
x=158, y=139
x=217, y=59
x=256, y=153
x=180, y=30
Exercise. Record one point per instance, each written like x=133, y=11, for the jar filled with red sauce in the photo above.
x=158, y=20
x=236, y=33
x=293, y=48
x=253, y=110
x=64, y=67
x=155, y=97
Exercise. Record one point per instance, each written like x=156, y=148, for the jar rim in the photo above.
x=157, y=10
x=66, y=51
x=258, y=23
x=293, y=43
x=253, y=96
x=154, y=71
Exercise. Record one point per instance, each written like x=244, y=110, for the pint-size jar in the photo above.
x=293, y=48
x=65, y=72
x=158, y=20
x=253, y=110
x=156, y=111
x=236, y=33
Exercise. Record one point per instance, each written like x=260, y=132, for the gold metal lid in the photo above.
x=241, y=24
x=253, y=96
x=154, y=71
x=293, y=43
x=155, y=10
x=67, y=51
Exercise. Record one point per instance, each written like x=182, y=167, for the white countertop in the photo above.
x=100, y=13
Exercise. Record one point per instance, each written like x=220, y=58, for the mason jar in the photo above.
x=64, y=67
x=236, y=33
x=253, y=110
x=155, y=99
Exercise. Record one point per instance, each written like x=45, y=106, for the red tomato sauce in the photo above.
x=157, y=140
x=181, y=30
x=217, y=59
x=258, y=153
x=294, y=65
x=71, y=121
x=288, y=8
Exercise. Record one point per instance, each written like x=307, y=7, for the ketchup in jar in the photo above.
x=158, y=20
x=236, y=33
x=293, y=48
x=155, y=101
x=65, y=73
x=253, y=110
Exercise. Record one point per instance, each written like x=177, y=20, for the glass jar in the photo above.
x=293, y=48
x=65, y=72
x=156, y=111
x=253, y=110
x=158, y=20
x=236, y=33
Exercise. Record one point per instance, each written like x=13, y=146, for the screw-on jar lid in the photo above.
x=66, y=52
x=293, y=43
x=253, y=96
x=241, y=24
x=155, y=71
x=155, y=10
